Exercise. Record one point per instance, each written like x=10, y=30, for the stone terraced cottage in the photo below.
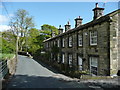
x=94, y=46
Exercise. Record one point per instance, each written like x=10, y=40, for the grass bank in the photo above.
x=4, y=56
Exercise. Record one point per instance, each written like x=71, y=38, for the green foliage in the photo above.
x=55, y=50
x=8, y=42
x=76, y=73
x=7, y=47
x=47, y=30
x=33, y=40
x=4, y=56
x=23, y=20
x=21, y=23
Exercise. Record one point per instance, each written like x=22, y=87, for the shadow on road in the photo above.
x=25, y=81
x=48, y=67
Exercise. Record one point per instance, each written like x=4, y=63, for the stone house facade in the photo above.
x=94, y=46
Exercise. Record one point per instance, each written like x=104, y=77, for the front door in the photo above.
x=80, y=63
x=93, y=65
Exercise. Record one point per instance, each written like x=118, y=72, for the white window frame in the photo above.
x=80, y=40
x=93, y=64
x=70, y=41
x=63, y=58
x=93, y=37
x=63, y=42
x=70, y=60
x=54, y=43
x=80, y=63
x=51, y=56
x=58, y=43
x=58, y=58
x=47, y=44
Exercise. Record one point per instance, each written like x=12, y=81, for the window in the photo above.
x=54, y=43
x=79, y=40
x=70, y=41
x=47, y=44
x=63, y=58
x=80, y=63
x=58, y=58
x=93, y=37
x=63, y=42
x=58, y=43
x=70, y=60
x=93, y=65
x=51, y=56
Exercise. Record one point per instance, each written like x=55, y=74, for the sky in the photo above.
x=53, y=13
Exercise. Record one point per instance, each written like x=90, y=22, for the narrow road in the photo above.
x=31, y=74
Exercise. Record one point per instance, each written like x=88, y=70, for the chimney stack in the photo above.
x=53, y=34
x=78, y=21
x=67, y=26
x=98, y=12
x=60, y=29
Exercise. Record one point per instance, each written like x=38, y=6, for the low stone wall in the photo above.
x=12, y=65
x=95, y=77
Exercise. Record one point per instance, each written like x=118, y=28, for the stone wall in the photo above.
x=12, y=65
x=119, y=39
x=114, y=44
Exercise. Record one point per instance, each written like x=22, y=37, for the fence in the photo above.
x=3, y=68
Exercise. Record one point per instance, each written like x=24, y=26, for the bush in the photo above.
x=7, y=47
x=4, y=56
x=75, y=73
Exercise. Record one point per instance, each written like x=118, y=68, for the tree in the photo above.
x=8, y=42
x=47, y=30
x=32, y=41
x=7, y=35
x=20, y=24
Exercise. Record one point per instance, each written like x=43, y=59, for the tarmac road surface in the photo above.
x=31, y=74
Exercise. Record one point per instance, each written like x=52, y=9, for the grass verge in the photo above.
x=4, y=56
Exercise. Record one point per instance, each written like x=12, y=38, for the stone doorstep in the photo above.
x=91, y=83
x=112, y=82
x=105, y=83
x=62, y=77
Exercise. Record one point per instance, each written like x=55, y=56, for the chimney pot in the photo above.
x=67, y=26
x=78, y=21
x=60, y=29
x=96, y=5
x=98, y=12
x=59, y=26
x=68, y=23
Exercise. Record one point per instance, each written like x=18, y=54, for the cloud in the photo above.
x=4, y=28
x=3, y=19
